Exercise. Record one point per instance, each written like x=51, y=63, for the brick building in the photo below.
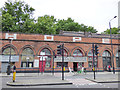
x=34, y=52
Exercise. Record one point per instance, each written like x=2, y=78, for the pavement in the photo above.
x=105, y=77
x=38, y=80
x=49, y=79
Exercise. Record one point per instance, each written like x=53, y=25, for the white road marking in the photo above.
x=80, y=81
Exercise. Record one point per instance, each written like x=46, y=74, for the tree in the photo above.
x=46, y=25
x=114, y=30
x=70, y=25
x=67, y=25
x=17, y=17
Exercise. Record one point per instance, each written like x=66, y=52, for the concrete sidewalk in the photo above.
x=45, y=79
x=105, y=78
x=50, y=79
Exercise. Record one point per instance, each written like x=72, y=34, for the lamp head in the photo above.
x=115, y=16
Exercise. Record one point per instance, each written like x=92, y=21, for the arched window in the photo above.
x=90, y=59
x=118, y=59
x=46, y=52
x=7, y=56
x=106, y=54
x=27, y=58
x=106, y=59
x=6, y=51
x=77, y=53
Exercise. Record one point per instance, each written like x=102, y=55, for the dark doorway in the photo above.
x=75, y=66
x=106, y=62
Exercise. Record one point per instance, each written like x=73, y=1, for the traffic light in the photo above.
x=96, y=50
x=59, y=49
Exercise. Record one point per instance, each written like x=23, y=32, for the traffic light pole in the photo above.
x=93, y=60
x=60, y=51
x=53, y=61
x=62, y=61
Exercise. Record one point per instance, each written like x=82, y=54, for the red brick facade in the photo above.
x=38, y=42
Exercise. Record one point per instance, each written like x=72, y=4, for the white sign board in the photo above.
x=71, y=59
x=36, y=63
x=105, y=40
x=13, y=36
x=76, y=39
x=5, y=58
x=48, y=37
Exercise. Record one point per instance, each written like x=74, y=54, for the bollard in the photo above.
x=63, y=68
x=14, y=75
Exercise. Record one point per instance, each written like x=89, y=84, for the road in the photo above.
x=78, y=81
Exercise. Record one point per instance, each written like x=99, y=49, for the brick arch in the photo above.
x=43, y=47
x=88, y=51
x=83, y=52
x=9, y=45
x=27, y=46
x=106, y=49
x=116, y=50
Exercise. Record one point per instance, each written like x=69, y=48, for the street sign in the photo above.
x=5, y=58
x=71, y=59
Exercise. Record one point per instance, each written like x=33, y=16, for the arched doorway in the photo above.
x=106, y=59
x=77, y=65
x=45, y=59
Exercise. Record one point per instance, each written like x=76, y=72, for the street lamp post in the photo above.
x=111, y=44
x=9, y=69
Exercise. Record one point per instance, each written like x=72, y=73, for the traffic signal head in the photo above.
x=96, y=50
x=59, y=49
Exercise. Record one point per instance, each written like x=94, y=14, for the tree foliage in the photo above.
x=17, y=17
x=114, y=30
x=46, y=25
x=70, y=25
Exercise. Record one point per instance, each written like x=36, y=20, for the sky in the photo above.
x=95, y=13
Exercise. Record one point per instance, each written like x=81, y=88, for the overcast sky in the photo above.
x=96, y=13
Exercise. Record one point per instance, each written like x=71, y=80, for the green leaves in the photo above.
x=17, y=17
x=114, y=30
x=46, y=25
x=70, y=25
